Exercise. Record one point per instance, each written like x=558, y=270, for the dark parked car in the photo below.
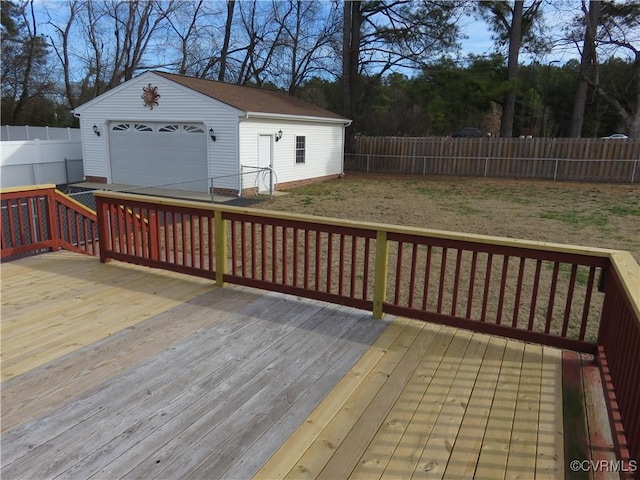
x=468, y=132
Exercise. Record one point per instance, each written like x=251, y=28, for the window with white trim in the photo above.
x=300, y=149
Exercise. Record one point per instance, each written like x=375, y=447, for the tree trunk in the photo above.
x=586, y=64
x=350, y=66
x=227, y=35
x=346, y=60
x=515, y=38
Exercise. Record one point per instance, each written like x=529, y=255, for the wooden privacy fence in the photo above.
x=42, y=218
x=589, y=159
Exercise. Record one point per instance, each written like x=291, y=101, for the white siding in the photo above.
x=324, y=147
x=176, y=104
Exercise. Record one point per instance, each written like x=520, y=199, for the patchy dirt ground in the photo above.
x=590, y=214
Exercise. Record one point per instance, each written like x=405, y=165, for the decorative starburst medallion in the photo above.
x=150, y=96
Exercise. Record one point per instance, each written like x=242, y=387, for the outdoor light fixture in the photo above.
x=278, y=135
x=96, y=131
x=213, y=137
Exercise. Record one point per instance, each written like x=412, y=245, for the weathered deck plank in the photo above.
x=194, y=387
x=45, y=388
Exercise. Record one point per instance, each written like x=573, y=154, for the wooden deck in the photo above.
x=117, y=371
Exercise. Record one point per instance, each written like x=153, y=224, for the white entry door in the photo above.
x=264, y=160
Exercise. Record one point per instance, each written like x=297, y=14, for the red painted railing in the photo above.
x=556, y=295
x=42, y=218
x=158, y=235
x=326, y=262
x=543, y=296
x=619, y=354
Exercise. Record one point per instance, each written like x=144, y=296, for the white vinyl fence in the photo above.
x=37, y=161
x=25, y=132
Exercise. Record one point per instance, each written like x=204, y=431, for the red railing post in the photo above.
x=54, y=233
x=154, y=238
x=103, y=231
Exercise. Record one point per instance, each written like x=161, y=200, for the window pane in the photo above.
x=300, y=149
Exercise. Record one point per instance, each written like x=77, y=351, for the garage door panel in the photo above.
x=148, y=158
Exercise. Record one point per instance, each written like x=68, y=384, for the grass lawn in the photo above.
x=589, y=214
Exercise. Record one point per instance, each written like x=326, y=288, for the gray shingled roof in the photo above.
x=251, y=99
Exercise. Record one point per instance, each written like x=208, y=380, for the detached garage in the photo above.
x=184, y=133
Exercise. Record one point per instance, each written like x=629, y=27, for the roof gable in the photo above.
x=252, y=99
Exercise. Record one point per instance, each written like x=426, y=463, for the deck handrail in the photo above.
x=37, y=218
x=581, y=298
x=567, y=296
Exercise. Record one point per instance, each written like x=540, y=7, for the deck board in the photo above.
x=185, y=380
x=408, y=451
x=378, y=453
x=462, y=461
x=522, y=448
x=78, y=292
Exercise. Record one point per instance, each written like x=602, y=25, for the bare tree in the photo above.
x=114, y=41
x=515, y=37
x=62, y=46
x=227, y=37
x=134, y=23
x=307, y=43
x=185, y=26
x=263, y=36
x=587, y=64
x=351, y=61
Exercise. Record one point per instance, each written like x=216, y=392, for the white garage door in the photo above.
x=168, y=154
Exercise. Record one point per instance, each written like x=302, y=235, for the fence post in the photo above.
x=367, y=163
x=220, y=236
x=486, y=165
x=380, y=274
x=633, y=171
x=424, y=166
x=555, y=171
